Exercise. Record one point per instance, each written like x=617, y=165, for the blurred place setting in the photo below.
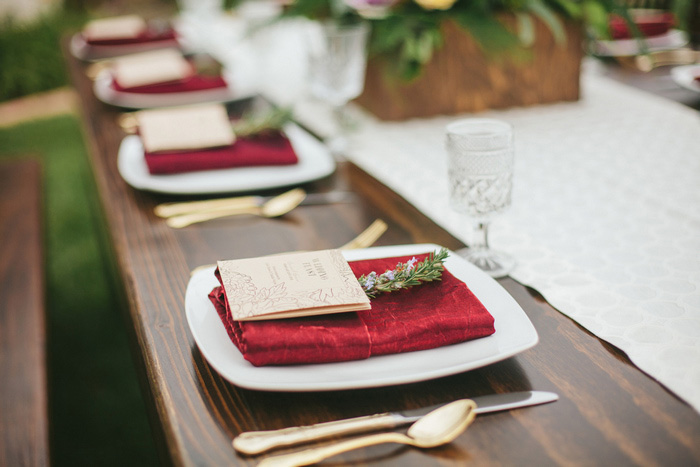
x=377, y=232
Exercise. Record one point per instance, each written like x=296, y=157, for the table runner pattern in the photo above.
x=605, y=221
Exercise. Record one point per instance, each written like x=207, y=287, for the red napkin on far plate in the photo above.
x=649, y=24
x=427, y=316
x=144, y=37
x=274, y=149
x=191, y=83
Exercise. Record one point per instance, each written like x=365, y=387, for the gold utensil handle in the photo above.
x=666, y=57
x=178, y=222
x=176, y=209
x=94, y=69
x=367, y=237
x=311, y=456
x=255, y=442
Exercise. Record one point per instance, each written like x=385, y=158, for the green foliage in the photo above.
x=489, y=33
x=682, y=9
x=411, y=34
x=407, y=35
x=252, y=124
x=405, y=276
x=310, y=9
x=30, y=54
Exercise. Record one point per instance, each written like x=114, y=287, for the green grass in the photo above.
x=97, y=415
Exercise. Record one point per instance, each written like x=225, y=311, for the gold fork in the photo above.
x=365, y=239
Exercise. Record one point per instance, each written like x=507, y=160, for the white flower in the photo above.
x=411, y=263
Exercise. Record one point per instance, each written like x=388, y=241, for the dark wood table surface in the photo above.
x=658, y=81
x=609, y=412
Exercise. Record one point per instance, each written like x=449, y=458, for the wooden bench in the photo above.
x=23, y=381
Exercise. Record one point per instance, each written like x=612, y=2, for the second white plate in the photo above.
x=315, y=161
x=514, y=334
x=83, y=51
x=133, y=100
x=673, y=39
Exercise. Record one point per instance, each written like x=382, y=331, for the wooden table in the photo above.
x=658, y=81
x=609, y=413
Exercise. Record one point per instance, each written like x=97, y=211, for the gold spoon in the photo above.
x=436, y=428
x=274, y=207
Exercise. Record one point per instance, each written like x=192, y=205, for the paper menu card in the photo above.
x=196, y=127
x=118, y=27
x=291, y=285
x=152, y=67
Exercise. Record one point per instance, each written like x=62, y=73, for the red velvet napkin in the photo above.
x=145, y=37
x=427, y=316
x=649, y=25
x=274, y=149
x=191, y=83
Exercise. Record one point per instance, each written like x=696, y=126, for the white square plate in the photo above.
x=514, y=334
x=315, y=161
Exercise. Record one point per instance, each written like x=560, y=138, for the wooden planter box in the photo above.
x=460, y=78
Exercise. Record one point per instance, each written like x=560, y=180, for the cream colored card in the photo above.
x=156, y=66
x=198, y=127
x=291, y=285
x=118, y=27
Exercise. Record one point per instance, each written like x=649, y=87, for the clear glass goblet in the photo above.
x=480, y=168
x=337, y=63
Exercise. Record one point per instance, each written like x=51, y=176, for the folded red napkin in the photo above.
x=145, y=37
x=191, y=83
x=649, y=24
x=274, y=149
x=427, y=316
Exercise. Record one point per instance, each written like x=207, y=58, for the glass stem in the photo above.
x=480, y=240
x=337, y=143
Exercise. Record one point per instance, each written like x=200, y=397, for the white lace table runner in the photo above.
x=605, y=221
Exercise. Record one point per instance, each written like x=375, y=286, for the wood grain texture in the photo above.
x=460, y=77
x=609, y=413
x=24, y=424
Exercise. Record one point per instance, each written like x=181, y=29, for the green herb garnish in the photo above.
x=404, y=276
x=256, y=124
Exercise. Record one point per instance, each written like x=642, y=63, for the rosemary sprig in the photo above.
x=259, y=124
x=404, y=276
